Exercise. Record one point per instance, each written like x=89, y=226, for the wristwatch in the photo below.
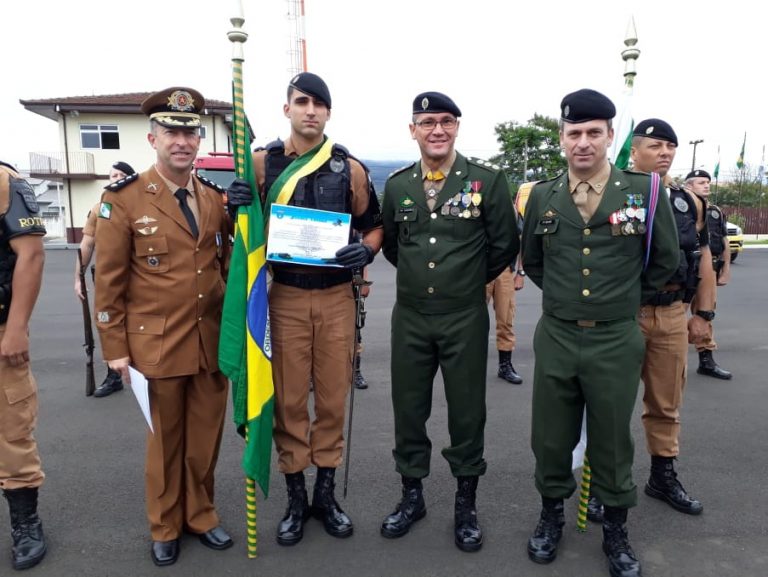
x=706, y=315
x=520, y=272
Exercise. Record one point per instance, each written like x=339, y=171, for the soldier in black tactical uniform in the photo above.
x=21, y=272
x=698, y=182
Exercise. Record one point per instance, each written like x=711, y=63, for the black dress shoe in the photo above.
x=111, y=384
x=217, y=538
x=165, y=552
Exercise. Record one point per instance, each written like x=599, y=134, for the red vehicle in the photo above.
x=218, y=167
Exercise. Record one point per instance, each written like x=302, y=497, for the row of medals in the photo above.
x=628, y=220
x=462, y=204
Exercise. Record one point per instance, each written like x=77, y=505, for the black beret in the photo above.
x=698, y=174
x=123, y=167
x=313, y=85
x=655, y=128
x=435, y=102
x=175, y=107
x=585, y=105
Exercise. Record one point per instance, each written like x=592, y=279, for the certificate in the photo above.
x=306, y=236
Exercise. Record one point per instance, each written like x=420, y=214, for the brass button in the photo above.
x=199, y=318
x=141, y=328
x=200, y=296
x=431, y=265
x=199, y=271
x=151, y=249
x=432, y=240
x=585, y=272
x=405, y=218
x=546, y=230
x=433, y=216
x=586, y=250
x=585, y=292
x=587, y=232
x=430, y=290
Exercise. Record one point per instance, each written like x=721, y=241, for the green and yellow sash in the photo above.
x=284, y=186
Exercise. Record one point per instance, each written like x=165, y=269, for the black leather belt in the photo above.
x=666, y=298
x=311, y=281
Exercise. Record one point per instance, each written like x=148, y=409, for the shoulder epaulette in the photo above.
x=210, y=184
x=401, y=169
x=123, y=182
x=640, y=172
x=543, y=180
x=275, y=147
x=13, y=168
x=483, y=163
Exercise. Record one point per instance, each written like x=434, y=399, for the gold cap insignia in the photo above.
x=181, y=100
x=649, y=130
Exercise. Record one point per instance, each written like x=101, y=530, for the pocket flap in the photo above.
x=145, y=324
x=19, y=389
x=147, y=246
x=549, y=227
x=406, y=215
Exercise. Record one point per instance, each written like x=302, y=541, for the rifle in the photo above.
x=90, y=379
x=358, y=282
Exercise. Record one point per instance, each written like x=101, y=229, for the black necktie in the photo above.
x=181, y=194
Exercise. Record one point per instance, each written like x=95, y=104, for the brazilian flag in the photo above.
x=245, y=351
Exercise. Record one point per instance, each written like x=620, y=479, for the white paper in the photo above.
x=306, y=236
x=140, y=388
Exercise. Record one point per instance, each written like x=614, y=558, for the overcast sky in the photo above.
x=702, y=69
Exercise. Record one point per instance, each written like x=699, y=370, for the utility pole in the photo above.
x=695, y=144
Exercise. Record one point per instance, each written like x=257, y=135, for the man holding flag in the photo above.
x=312, y=309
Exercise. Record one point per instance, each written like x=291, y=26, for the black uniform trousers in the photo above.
x=457, y=343
x=597, y=367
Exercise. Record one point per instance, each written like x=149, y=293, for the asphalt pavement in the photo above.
x=92, y=502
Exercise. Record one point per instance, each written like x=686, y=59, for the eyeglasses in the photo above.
x=431, y=123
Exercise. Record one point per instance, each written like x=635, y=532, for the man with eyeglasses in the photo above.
x=449, y=228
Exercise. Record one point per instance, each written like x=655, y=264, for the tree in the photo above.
x=530, y=151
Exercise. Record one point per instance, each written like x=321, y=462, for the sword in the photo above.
x=358, y=282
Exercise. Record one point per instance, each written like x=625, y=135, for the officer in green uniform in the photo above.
x=585, y=245
x=449, y=228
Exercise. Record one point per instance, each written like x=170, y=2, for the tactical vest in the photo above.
x=21, y=218
x=328, y=188
x=684, y=210
x=716, y=225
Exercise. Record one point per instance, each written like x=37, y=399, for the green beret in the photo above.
x=655, y=128
x=434, y=102
x=585, y=105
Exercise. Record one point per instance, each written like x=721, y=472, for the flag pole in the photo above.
x=238, y=37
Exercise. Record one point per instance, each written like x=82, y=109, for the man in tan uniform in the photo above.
x=163, y=245
x=21, y=273
x=502, y=290
x=312, y=308
x=119, y=170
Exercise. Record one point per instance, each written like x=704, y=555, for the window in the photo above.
x=103, y=136
x=202, y=132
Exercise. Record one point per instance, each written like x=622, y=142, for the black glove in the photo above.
x=355, y=255
x=238, y=194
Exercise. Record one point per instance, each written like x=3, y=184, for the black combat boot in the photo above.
x=409, y=510
x=291, y=527
x=469, y=536
x=26, y=528
x=359, y=378
x=708, y=366
x=621, y=559
x=325, y=507
x=663, y=484
x=542, y=546
x=594, y=509
x=506, y=370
